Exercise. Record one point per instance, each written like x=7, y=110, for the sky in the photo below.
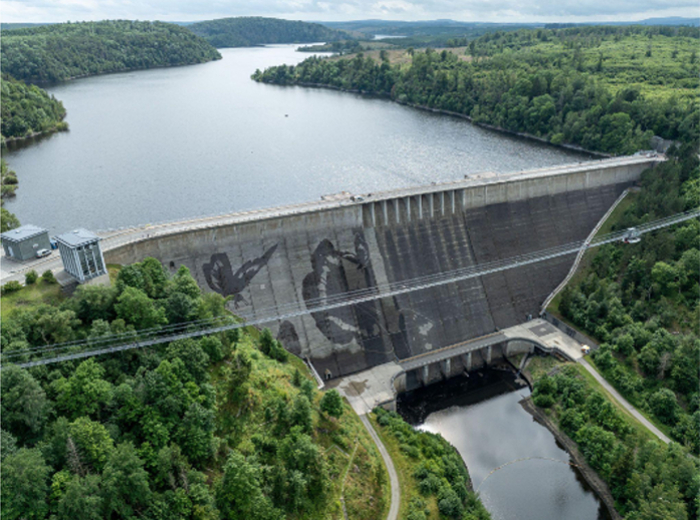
x=331, y=10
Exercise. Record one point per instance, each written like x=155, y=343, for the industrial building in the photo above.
x=81, y=254
x=22, y=243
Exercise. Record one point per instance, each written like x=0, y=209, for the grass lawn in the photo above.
x=31, y=296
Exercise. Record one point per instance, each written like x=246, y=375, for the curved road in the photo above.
x=393, y=476
x=625, y=404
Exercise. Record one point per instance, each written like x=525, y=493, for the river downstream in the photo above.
x=483, y=419
x=164, y=144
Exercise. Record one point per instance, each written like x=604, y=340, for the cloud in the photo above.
x=467, y=10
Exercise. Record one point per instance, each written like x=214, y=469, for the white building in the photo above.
x=81, y=254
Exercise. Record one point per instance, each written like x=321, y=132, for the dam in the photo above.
x=309, y=254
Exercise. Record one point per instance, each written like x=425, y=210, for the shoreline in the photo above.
x=387, y=96
x=49, y=84
x=596, y=483
x=20, y=141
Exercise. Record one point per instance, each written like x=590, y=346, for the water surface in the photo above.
x=489, y=428
x=163, y=144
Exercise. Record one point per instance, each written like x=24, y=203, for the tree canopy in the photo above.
x=221, y=427
x=591, y=87
x=247, y=31
x=59, y=52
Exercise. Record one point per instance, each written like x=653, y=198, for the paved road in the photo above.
x=393, y=476
x=631, y=409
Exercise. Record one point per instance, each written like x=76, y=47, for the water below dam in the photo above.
x=482, y=418
x=172, y=143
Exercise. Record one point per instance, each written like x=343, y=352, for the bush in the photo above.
x=665, y=406
x=31, y=277
x=48, y=278
x=332, y=403
x=429, y=485
x=271, y=347
x=543, y=400
x=11, y=287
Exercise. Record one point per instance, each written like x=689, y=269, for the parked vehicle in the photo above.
x=41, y=253
x=54, y=244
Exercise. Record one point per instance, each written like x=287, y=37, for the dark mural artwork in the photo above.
x=221, y=278
x=380, y=328
x=287, y=335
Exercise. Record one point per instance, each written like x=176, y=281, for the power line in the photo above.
x=144, y=338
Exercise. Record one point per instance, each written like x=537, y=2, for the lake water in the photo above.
x=483, y=419
x=155, y=145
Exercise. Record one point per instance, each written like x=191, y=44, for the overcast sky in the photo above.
x=327, y=10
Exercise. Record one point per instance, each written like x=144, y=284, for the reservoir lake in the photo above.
x=174, y=143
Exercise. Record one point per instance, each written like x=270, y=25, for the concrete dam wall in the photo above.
x=319, y=251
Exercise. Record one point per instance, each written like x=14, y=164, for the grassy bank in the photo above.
x=435, y=483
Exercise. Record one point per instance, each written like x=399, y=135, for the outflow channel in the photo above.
x=481, y=416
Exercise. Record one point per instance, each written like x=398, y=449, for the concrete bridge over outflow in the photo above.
x=380, y=385
x=305, y=255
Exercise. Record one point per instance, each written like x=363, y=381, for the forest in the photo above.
x=254, y=30
x=226, y=426
x=60, y=52
x=642, y=302
x=605, y=89
x=28, y=110
x=648, y=479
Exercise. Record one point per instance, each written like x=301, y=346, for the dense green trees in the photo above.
x=438, y=470
x=60, y=52
x=543, y=83
x=27, y=110
x=8, y=185
x=642, y=302
x=249, y=31
x=648, y=479
x=201, y=429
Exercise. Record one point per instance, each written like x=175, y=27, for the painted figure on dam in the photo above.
x=221, y=278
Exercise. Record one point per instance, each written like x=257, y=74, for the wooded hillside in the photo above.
x=249, y=31
x=28, y=109
x=63, y=51
x=607, y=89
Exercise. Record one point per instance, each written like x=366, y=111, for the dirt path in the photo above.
x=393, y=476
x=625, y=404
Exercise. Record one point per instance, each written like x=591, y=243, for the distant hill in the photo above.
x=670, y=20
x=454, y=27
x=421, y=28
x=250, y=31
x=59, y=52
x=18, y=25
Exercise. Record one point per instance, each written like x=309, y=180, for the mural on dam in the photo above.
x=287, y=335
x=328, y=281
x=221, y=278
x=380, y=327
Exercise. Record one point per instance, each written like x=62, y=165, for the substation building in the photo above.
x=22, y=243
x=81, y=254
